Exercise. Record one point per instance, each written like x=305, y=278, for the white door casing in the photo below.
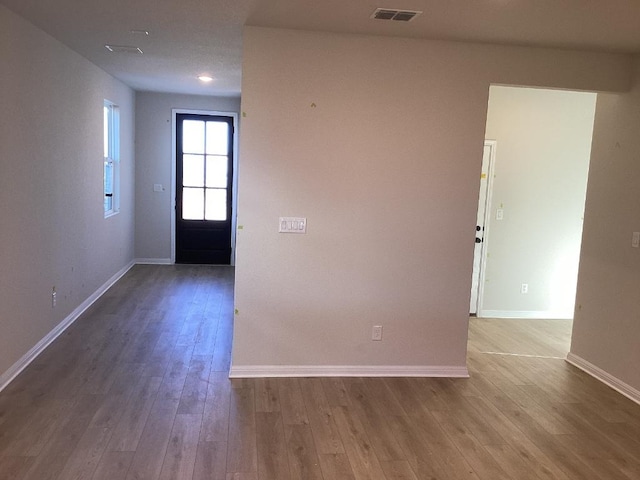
x=482, y=227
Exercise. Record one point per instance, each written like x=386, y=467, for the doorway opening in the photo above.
x=526, y=261
x=203, y=220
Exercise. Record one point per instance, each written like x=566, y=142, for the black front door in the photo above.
x=204, y=176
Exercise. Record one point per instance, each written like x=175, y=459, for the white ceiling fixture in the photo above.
x=123, y=49
x=205, y=78
x=396, y=15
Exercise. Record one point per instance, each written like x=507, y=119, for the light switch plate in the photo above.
x=292, y=225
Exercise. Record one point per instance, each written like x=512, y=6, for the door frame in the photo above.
x=487, y=225
x=234, y=181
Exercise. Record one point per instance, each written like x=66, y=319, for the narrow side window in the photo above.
x=111, y=158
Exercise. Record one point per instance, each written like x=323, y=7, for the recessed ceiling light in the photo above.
x=205, y=78
x=123, y=49
x=140, y=32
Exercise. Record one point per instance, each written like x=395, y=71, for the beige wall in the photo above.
x=53, y=229
x=540, y=180
x=378, y=142
x=153, y=165
x=606, y=327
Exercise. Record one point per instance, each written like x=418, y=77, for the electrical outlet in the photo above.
x=635, y=240
x=376, y=333
x=524, y=288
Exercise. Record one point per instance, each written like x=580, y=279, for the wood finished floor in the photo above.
x=137, y=388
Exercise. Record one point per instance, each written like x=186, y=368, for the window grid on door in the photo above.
x=205, y=146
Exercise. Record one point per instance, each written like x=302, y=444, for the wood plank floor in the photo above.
x=137, y=389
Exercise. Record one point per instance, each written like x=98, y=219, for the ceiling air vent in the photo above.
x=397, y=15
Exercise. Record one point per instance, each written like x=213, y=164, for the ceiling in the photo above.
x=192, y=37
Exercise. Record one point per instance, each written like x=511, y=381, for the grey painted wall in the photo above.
x=540, y=181
x=606, y=327
x=53, y=229
x=378, y=142
x=153, y=165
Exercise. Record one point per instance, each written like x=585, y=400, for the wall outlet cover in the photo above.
x=376, y=333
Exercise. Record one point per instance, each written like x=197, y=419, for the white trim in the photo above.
x=487, y=223
x=540, y=314
x=113, y=130
x=153, y=261
x=31, y=355
x=172, y=207
x=257, y=371
x=606, y=378
x=234, y=187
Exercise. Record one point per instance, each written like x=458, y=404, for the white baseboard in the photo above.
x=31, y=355
x=153, y=261
x=543, y=314
x=606, y=378
x=256, y=371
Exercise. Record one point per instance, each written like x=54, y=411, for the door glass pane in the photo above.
x=216, y=204
x=217, y=138
x=217, y=171
x=193, y=136
x=193, y=204
x=193, y=170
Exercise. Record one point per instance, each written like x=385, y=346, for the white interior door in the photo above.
x=481, y=226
